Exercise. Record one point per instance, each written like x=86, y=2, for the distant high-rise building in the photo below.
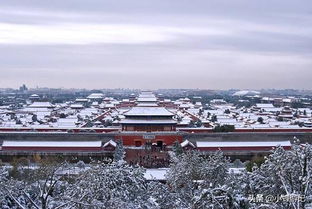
x=23, y=88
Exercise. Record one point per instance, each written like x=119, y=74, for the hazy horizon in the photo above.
x=158, y=89
x=204, y=44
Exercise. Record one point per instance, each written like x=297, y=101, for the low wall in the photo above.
x=303, y=137
x=24, y=136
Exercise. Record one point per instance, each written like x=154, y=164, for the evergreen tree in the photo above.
x=34, y=118
x=119, y=154
x=214, y=118
x=260, y=120
x=177, y=148
x=4, y=176
x=192, y=124
x=227, y=111
x=198, y=123
x=285, y=173
x=200, y=112
x=193, y=181
x=108, y=122
x=113, y=186
x=204, y=182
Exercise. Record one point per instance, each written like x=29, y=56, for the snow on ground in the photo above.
x=156, y=173
x=160, y=173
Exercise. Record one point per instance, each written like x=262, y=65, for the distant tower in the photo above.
x=23, y=88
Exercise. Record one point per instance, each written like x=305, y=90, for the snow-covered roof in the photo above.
x=36, y=110
x=218, y=101
x=96, y=96
x=81, y=100
x=287, y=100
x=147, y=99
x=108, y=98
x=184, y=105
x=267, y=99
x=264, y=105
x=107, y=105
x=246, y=93
x=146, y=94
x=34, y=96
x=147, y=121
x=51, y=143
x=110, y=142
x=242, y=143
x=76, y=106
x=272, y=109
x=41, y=105
x=148, y=111
x=152, y=104
x=67, y=122
x=259, y=126
x=187, y=142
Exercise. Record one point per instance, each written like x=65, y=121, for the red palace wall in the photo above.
x=148, y=128
x=129, y=140
x=272, y=130
x=268, y=130
x=184, y=129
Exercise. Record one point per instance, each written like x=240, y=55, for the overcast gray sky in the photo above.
x=208, y=44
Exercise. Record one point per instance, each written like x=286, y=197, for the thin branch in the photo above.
x=15, y=200
x=31, y=200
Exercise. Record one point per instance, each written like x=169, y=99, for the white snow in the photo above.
x=143, y=121
x=51, y=143
x=187, y=142
x=76, y=106
x=41, y=105
x=245, y=93
x=148, y=111
x=155, y=174
x=243, y=144
x=96, y=96
x=147, y=99
x=110, y=142
x=264, y=106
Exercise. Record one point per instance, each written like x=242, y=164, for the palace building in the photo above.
x=148, y=119
x=148, y=116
